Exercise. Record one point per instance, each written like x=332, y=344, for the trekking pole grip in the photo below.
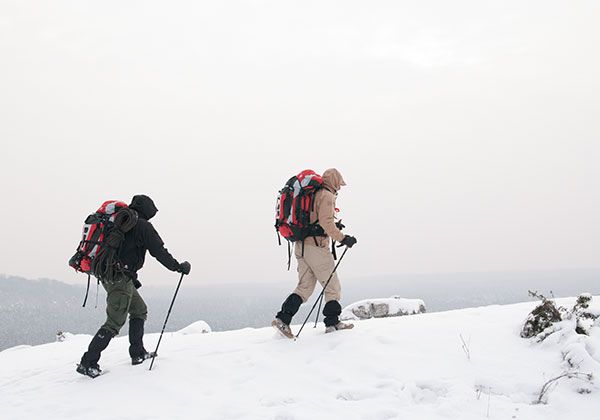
x=166, y=319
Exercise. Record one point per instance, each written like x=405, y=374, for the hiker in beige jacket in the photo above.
x=316, y=262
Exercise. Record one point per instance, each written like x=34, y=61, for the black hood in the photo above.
x=144, y=206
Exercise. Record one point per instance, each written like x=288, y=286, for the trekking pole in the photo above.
x=318, y=311
x=322, y=291
x=166, y=319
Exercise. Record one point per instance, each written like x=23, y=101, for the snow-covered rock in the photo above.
x=547, y=317
x=198, y=327
x=571, y=334
x=543, y=316
x=585, y=313
x=411, y=367
x=382, y=308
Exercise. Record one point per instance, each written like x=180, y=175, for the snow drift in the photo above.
x=414, y=367
x=198, y=327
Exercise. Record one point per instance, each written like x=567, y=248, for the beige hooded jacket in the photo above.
x=324, y=211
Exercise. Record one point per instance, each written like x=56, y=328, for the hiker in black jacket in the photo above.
x=122, y=295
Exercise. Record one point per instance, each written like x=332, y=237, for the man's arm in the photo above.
x=157, y=249
x=325, y=208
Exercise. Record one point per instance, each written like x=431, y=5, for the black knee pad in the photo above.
x=332, y=308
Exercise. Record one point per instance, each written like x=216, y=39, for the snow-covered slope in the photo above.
x=410, y=367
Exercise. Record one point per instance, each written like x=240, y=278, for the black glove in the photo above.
x=137, y=284
x=340, y=225
x=348, y=241
x=185, y=268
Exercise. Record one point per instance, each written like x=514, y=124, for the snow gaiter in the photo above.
x=289, y=308
x=332, y=311
x=136, y=337
x=98, y=343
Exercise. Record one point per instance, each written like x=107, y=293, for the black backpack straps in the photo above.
x=289, y=255
x=300, y=214
x=87, y=290
x=333, y=249
x=97, y=285
x=312, y=204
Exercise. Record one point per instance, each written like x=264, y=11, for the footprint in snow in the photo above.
x=276, y=401
x=284, y=416
x=355, y=395
x=426, y=393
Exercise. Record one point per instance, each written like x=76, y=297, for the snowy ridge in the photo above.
x=413, y=367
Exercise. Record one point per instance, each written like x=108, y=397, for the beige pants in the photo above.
x=316, y=264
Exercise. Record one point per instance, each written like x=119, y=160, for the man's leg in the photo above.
x=289, y=308
x=322, y=264
x=138, y=312
x=89, y=360
x=118, y=298
x=306, y=285
x=331, y=312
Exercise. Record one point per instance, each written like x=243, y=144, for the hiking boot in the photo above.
x=91, y=371
x=338, y=326
x=283, y=328
x=136, y=360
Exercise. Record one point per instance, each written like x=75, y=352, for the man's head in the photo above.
x=144, y=206
x=332, y=179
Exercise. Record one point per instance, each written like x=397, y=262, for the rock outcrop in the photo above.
x=383, y=308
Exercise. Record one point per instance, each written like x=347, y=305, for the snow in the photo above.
x=382, y=307
x=411, y=367
x=594, y=307
x=198, y=327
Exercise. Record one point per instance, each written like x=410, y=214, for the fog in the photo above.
x=467, y=131
x=32, y=312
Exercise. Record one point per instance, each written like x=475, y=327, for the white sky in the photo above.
x=468, y=131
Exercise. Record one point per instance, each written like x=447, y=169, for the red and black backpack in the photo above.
x=295, y=202
x=96, y=228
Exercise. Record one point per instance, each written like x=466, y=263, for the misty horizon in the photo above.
x=32, y=311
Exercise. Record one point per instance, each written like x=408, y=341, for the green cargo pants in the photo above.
x=122, y=298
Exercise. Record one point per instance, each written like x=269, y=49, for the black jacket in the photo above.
x=143, y=237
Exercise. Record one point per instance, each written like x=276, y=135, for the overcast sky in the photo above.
x=468, y=132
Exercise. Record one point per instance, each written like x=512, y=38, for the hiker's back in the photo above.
x=324, y=202
x=141, y=239
x=133, y=250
